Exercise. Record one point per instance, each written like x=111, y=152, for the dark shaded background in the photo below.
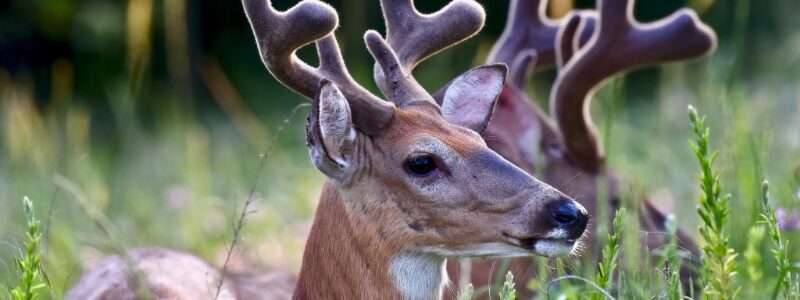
x=91, y=37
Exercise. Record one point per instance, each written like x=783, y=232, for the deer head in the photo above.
x=587, y=48
x=410, y=181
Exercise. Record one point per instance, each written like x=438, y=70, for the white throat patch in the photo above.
x=419, y=276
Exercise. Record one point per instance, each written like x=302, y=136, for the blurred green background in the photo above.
x=149, y=116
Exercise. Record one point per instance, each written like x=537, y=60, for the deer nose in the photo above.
x=569, y=215
x=565, y=215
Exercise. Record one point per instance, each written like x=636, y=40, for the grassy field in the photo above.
x=144, y=164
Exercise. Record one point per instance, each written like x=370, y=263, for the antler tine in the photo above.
x=404, y=88
x=575, y=32
x=565, y=39
x=527, y=27
x=370, y=113
x=280, y=34
x=520, y=70
x=415, y=36
x=619, y=44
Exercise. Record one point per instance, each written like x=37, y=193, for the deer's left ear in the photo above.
x=469, y=99
x=329, y=133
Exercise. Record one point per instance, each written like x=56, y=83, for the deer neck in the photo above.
x=344, y=259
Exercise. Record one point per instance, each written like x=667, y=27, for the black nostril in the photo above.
x=566, y=214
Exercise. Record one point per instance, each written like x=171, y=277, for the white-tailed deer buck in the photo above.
x=410, y=181
x=587, y=48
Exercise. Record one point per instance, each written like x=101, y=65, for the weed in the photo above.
x=718, y=269
x=508, y=292
x=33, y=279
x=466, y=293
x=606, y=268
x=780, y=249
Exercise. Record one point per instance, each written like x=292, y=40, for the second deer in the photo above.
x=588, y=48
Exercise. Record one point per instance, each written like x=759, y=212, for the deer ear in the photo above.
x=469, y=99
x=329, y=133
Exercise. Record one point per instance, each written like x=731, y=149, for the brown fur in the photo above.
x=514, y=116
x=165, y=274
x=336, y=258
x=170, y=274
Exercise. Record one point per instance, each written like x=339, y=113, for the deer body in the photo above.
x=409, y=181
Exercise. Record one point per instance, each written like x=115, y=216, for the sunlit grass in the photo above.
x=719, y=266
x=192, y=177
x=183, y=175
x=33, y=280
x=780, y=248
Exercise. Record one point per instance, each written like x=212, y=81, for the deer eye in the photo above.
x=421, y=165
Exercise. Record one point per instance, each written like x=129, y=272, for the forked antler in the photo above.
x=280, y=34
x=415, y=36
x=521, y=68
x=529, y=28
x=618, y=44
x=572, y=35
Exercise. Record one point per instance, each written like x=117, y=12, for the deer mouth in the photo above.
x=547, y=246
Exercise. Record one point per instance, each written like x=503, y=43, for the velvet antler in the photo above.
x=280, y=34
x=414, y=36
x=618, y=44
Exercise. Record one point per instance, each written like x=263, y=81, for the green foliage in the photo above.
x=752, y=254
x=466, y=293
x=780, y=250
x=674, y=291
x=32, y=279
x=606, y=268
x=718, y=268
x=508, y=292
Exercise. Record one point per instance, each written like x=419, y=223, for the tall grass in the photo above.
x=780, y=250
x=208, y=162
x=32, y=277
x=466, y=293
x=509, y=291
x=608, y=265
x=719, y=267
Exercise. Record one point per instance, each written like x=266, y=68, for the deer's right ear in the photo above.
x=329, y=132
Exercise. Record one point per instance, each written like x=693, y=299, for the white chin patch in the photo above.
x=557, y=234
x=485, y=250
x=553, y=248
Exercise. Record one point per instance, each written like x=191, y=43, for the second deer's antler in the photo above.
x=618, y=44
x=529, y=28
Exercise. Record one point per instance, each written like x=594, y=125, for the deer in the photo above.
x=587, y=47
x=409, y=181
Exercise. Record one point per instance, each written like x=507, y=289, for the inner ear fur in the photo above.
x=329, y=131
x=469, y=99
